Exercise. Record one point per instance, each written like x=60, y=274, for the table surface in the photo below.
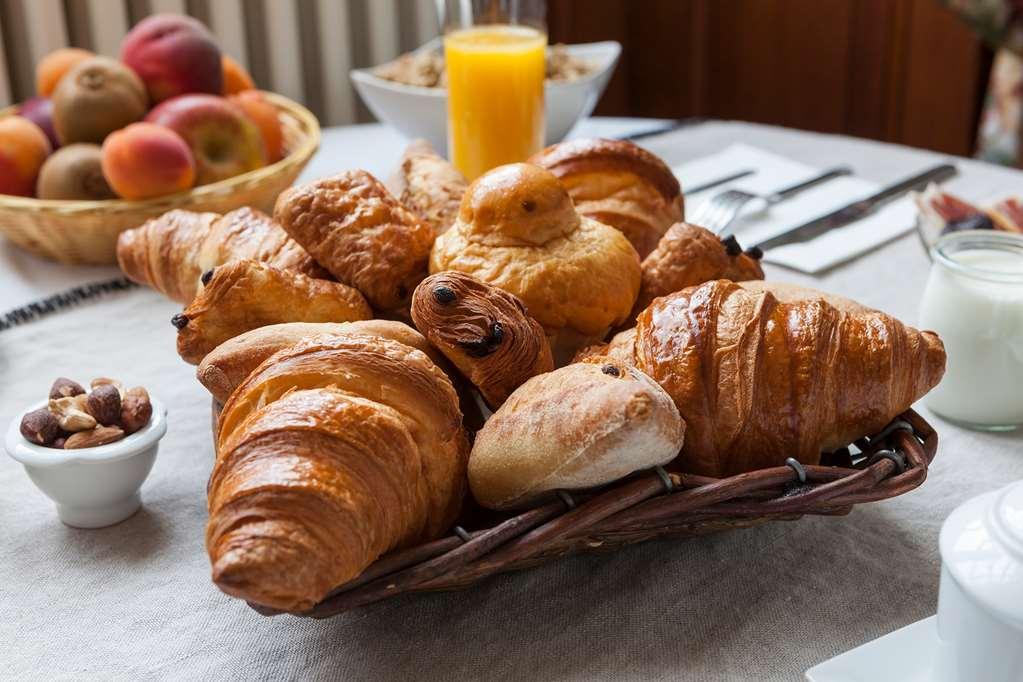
x=765, y=603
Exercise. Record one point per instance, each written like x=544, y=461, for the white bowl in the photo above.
x=423, y=112
x=93, y=487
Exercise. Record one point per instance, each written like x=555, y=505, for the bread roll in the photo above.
x=581, y=426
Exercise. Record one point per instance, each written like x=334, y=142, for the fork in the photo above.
x=718, y=212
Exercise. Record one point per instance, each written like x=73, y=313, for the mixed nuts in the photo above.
x=75, y=418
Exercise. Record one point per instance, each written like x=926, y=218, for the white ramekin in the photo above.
x=92, y=487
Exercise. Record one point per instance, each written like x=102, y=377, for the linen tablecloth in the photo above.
x=134, y=601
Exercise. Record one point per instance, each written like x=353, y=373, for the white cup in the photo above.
x=980, y=603
x=92, y=487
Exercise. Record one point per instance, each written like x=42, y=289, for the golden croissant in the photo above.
x=247, y=294
x=428, y=185
x=171, y=252
x=765, y=371
x=331, y=453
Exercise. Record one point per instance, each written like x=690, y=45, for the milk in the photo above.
x=974, y=301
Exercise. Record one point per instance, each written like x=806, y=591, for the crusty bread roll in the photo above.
x=227, y=365
x=578, y=427
x=483, y=330
x=517, y=229
x=619, y=184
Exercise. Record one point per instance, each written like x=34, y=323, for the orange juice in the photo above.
x=495, y=95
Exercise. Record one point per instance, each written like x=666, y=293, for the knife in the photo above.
x=859, y=209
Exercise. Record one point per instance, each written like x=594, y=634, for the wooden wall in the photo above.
x=906, y=71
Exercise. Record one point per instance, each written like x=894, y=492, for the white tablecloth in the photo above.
x=135, y=601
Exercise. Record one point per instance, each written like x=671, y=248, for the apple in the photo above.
x=39, y=110
x=224, y=142
x=173, y=55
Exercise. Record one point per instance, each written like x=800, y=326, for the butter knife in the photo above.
x=859, y=209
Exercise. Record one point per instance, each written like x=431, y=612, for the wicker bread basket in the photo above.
x=86, y=231
x=648, y=505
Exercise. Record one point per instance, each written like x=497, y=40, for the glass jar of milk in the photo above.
x=974, y=301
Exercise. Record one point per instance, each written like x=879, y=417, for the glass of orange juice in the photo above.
x=495, y=55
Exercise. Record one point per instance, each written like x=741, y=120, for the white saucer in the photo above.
x=906, y=655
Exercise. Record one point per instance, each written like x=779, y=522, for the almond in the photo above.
x=101, y=435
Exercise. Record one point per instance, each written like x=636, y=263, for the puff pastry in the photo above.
x=244, y=295
x=517, y=230
x=170, y=253
x=331, y=453
x=619, y=184
x=354, y=228
x=688, y=255
x=764, y=371
x=483, y=330
x=428, y=185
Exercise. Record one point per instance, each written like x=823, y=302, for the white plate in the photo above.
x=906, y=655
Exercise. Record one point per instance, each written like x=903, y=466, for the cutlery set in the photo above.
x=719, y=211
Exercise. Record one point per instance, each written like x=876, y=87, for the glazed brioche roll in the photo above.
x=331, y=453
x=517, y=230
x=765, y=371
x=170, y=253
x=619, y=184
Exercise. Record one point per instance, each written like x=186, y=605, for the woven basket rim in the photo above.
x=310, y=141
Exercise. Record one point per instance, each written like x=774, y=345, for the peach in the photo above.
x=147, y=160
x=23, y=149
x=173, y=55
x=223, y=140
x=264, y=115
x=236, y=78
x=53, y=66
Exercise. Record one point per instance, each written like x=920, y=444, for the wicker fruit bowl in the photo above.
x=648, y=505
x=85, y=232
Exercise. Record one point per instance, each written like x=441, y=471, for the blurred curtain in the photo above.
x=300, y=48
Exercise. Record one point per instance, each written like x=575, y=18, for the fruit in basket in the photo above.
x=173, y=55
x=23, y=149
x=74, y=172
x=39, y=110
x=95, y=98
x=223, y=140
x=264, y=115
x=236, y=78
x=146, y=160
x=55, y=65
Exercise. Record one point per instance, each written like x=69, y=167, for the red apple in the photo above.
x=39, y=110
x=173, y=55
x=223, y=140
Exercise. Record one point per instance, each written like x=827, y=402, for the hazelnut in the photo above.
x=59, y=443
x=136, y=409
x=103, y=381
x=70, y=415
x=64, y=388
x=105, y=404
x=101, y=435
x=40, y=426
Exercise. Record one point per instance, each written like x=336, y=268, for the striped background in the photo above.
x=300, y=48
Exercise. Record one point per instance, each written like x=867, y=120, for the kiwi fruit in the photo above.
x=74, y=172
x=95, y=98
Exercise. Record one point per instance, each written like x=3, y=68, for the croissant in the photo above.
x=428, y=185
x=331, y=453
x=517, y=230
x=170, y=253
x=484, y=331
x=688, y=255
x=227, y=365
x=765, y=371
x=619, y=184
x=352, y=226
x=247, y=294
